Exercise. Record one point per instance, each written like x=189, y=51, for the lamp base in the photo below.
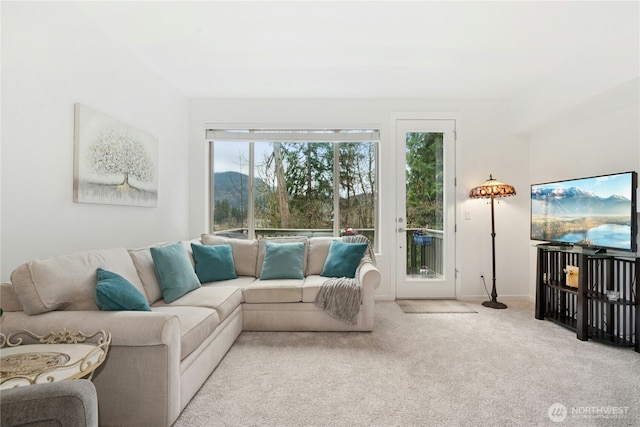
x=494, y=304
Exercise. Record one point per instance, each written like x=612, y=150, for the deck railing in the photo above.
x=417, y=256
x=429, y=256
x=280, y=232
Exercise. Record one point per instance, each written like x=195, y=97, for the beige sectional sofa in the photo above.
x=159, y=359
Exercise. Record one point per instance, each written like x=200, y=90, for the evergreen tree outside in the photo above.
x=309, y=177
x=308, y=186
x=425, y=192
x=357, y=185
x=308, y=172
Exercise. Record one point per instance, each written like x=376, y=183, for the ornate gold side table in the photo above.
x=57, y=357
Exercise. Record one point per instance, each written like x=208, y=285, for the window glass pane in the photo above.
x=425, y=174
x=266, y=206
x=425, y=204
x=293, y=185
x=230, y=186
x=294, y=188
x=357, y=188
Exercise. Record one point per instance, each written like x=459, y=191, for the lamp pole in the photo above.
x=491, y=189
x=494, y=294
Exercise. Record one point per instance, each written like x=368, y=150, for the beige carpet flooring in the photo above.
x=493, y=368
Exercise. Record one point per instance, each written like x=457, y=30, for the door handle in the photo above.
x=400, y=230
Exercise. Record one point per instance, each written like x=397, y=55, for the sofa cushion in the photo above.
x=174, y=270
x=223, y=299
x=68, y=282
x=245, y=252
x=318, y=251
x=262, y=249
x=196, y=325
x=283, y=261
x=213, y=239
x=213, y=262
x=115, y=293
x=311, y=287
x=343, y=259
x=146, y=271
x=241, y=282
x=269, y=291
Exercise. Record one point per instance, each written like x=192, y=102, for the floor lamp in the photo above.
x=490, y=190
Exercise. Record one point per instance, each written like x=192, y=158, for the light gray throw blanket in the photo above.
x=340, y=297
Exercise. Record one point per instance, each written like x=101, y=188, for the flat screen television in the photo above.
x=597, y=212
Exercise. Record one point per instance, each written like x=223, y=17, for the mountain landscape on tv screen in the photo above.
x=573, y=215
x=576, y=202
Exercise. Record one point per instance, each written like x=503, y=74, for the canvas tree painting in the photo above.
x=114, y=163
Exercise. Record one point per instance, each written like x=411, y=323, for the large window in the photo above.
x=302, y=182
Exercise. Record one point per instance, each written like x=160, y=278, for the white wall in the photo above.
x=584, y=76
x=52, y=58
x=596, y=137
x=484, y=147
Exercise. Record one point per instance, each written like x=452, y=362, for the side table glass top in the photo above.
x=55, y=357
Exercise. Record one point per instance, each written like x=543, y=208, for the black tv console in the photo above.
x=604, y=306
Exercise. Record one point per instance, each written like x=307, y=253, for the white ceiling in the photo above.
x=363, y=49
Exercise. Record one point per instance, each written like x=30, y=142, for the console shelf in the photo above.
x=587, y=308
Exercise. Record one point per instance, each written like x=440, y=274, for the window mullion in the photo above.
x=251, y=220
x=211, y=186
x=336, y=189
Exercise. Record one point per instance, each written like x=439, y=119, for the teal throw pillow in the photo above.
x=115, y=293
x=343, y=259
x=282, y=261
x=213, y=263
x=174, y=271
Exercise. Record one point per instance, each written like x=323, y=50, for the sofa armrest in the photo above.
x=8, y=299
x=66, y=403
x=139, y=382
x=127, y=328
x=368, y=275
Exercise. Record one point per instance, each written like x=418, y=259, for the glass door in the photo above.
x=425, y=219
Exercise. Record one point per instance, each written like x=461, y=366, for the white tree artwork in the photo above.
x=114, y=163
